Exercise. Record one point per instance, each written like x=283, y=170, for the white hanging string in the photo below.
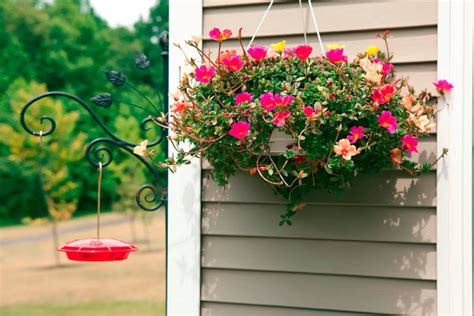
x=316, y=26
x=260, y=24
x=304, y=24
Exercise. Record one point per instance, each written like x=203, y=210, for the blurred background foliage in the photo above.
x=64, y=45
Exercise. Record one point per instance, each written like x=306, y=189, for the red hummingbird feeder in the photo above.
x=98, y=249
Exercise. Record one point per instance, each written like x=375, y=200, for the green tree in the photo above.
x=64, y=45
x=53, y=157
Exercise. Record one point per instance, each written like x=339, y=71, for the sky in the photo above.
x=122, y=12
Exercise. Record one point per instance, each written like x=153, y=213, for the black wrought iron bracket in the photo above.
x=149, y=197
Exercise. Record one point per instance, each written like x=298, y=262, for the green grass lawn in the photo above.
x=123, y=308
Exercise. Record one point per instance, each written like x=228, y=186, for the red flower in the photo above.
x=310, y=112
x=234, y=63
x=384, y=94
x=280, y=117
x=299, y=159
x=303, y=51
x=180, y=106
x=226, y=54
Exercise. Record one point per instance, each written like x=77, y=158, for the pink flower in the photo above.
x=204, y=74
x=239, y=130
x=270, y=101
x=266, y=100
x=336, y=55
x=257, y=52
x=386, y=68
x=383, y=94
x=345, y=149
x=288, y=52
x=356, y=133
x=233, y=63
x=282, y=101
x=280, y=117
x=219, y=36
x=409, y=143
x=443, y=86
x=387, y=121
x=308, y=111
x=243, y=97
x=303, y=51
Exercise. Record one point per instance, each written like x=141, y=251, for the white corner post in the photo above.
x=184, y=186
x=454, y=173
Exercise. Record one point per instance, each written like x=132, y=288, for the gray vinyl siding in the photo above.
x=371, y=250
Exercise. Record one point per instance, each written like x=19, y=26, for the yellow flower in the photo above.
x=372, y=50
x=335, y=46
x=279, y=47
x=140, y=150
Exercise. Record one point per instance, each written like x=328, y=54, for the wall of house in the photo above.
x=371, y=250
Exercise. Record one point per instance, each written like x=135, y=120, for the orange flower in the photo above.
x=422, y=122
x=407, y=101
x=345, y=149
x=396, y=156
x=180, y=107
x=227, y=54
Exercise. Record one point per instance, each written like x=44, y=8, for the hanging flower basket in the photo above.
x=345, y=116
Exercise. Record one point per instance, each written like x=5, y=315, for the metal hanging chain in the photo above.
x=260, y=23
x=313, y=16
x=99, y=183
x=316, y=26
x=304, y=22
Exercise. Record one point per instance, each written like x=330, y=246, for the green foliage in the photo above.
x=339, y=115
x=54, y=158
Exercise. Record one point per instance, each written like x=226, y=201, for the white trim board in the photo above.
x=184, y=186
x=454, y=174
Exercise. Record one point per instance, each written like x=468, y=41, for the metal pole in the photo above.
x=164, y=43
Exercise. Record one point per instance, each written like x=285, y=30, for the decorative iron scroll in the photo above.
x=99, y=150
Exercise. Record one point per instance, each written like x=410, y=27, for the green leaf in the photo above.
x=328, y=169
x=289, y=154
